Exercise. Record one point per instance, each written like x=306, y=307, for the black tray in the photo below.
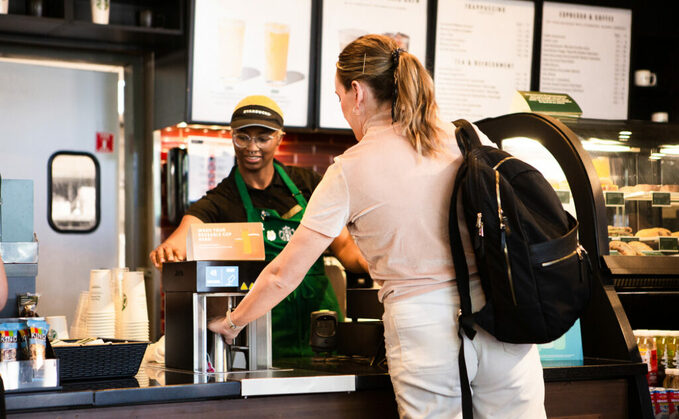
x=117, y=359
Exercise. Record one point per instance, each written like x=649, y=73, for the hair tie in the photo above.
x=395, y=55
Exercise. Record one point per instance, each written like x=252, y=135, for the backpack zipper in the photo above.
x=555, y=261
x=503, y=231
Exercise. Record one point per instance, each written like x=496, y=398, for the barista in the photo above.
x=261, y=189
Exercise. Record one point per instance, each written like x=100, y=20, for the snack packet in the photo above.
x=9, y=341
x=33, y=342
x=27, y=304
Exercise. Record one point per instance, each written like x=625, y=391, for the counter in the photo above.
x=302, y=387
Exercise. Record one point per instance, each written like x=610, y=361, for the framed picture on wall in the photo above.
x=343, y=21
x=240, y=48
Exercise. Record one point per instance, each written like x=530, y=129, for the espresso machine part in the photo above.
x=192, y=291
x=323, y=333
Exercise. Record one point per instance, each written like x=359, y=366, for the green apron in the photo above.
x=290, y=319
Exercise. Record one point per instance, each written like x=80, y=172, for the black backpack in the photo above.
x=534, y=273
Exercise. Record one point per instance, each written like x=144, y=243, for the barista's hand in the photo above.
x=167, y=252
x=220, y=325
x=174, y=248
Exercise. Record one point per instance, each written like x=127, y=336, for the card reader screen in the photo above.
x=221, y=276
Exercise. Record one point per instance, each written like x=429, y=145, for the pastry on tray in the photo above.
x=623, y=248
x=669, y=188
x=614, y=231
x=653, y=232
x=640, y=246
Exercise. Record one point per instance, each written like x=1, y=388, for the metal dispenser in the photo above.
x=190, y=288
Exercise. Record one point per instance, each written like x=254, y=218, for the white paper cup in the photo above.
x=134, y=298
x=100, y=295
x=58, y=327
x=4, y=6
x=100, y=11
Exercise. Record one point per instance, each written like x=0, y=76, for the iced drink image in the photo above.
x=231, y=34
x=277, y=38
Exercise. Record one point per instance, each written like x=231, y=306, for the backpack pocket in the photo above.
x=561, y=277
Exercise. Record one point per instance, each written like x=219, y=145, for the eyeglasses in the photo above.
x=241, y=140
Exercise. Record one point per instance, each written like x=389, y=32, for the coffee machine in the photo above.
x=198, y=290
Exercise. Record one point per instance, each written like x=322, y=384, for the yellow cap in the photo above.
x=257, y=110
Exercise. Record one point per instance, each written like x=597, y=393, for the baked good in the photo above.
x=623, y=248
x=614, y=231
x=675, y=234
x=669, y=188
x=642, y=187
x=653, y=232
x=640, y=246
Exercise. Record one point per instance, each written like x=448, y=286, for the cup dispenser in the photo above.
x=195, y=291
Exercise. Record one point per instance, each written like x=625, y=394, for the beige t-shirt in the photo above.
x=395, y=205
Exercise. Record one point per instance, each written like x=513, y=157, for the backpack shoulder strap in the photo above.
x=466, y=135
x=464, y=316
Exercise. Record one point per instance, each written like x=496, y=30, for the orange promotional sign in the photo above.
x=225, y=241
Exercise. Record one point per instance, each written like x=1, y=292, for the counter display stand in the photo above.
x=612, y=376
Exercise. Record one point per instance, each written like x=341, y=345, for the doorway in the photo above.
x=50, y=106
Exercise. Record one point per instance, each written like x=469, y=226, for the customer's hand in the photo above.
x=220, y=325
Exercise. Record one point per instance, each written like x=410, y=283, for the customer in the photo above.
x=261, y=189
x=3, y=284
x=393, y=191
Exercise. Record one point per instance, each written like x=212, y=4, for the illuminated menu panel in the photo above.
x=586, y=53
x=346, y=20
x=241, y=48
x=483, y=55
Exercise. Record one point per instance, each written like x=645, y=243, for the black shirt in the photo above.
x=222, y=204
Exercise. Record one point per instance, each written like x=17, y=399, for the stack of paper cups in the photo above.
x=100, y=307
x=135, y=319
x=79, y=325
x=117, y=287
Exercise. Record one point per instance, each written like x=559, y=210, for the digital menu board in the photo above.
x=345, y=20
x=241, y=48
x=483, y=55
x=586, y=54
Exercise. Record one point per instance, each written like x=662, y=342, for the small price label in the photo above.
x=669, y=244
x=661, y=199
x=564, y=196
x=614, y=199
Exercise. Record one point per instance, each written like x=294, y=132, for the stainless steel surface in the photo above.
x=257, y=348
x=200, y=332
x=292, y=382
x=19, y=252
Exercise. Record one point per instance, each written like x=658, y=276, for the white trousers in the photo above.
x=422, y=347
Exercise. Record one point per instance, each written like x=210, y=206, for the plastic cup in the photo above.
x=231, y=36
x=276, y=40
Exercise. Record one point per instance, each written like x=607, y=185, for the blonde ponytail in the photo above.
x=398, y=78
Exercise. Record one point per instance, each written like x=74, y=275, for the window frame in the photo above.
x=97, y=182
